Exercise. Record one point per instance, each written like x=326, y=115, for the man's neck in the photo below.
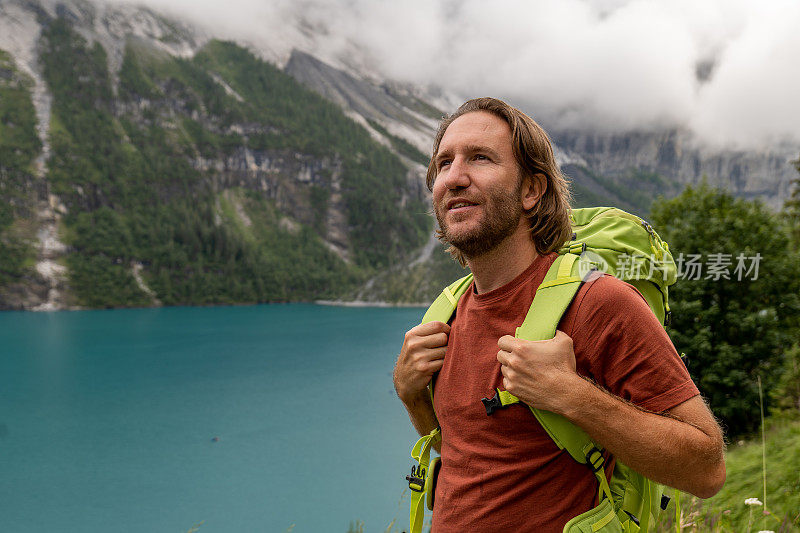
x=501, y=265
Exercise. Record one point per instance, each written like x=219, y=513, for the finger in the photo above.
x=560, y=335
x=420, y=358
x=428, y=366
x=435, y=354
x=504, y=358
x=507, y=343
x=562, y=338
x=435, y=366
x=434, y=341
x=429, y=328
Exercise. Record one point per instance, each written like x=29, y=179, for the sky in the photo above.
x=728, y=70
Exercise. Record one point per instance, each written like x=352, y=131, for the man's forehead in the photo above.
x=475, y=128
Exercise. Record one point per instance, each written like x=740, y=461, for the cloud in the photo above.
x=753, y=94
x=725, y=69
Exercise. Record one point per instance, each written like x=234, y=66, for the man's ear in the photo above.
x=533, y=188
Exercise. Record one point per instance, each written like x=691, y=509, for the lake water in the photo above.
x=249, y=419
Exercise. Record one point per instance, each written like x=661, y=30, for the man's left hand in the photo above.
x=538, y=372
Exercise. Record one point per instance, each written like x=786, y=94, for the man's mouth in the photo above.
x=459, y=204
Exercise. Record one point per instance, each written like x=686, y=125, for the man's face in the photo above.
x=477, y=191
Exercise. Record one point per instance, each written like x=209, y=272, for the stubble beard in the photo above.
x=501, y=218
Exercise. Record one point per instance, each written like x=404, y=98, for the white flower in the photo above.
x=753, y=501
x=766, y=531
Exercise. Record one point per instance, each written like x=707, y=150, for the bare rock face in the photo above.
x=23, y=295
x=400, y=112
x=682, y=160
x=675, y=156
x=604, y=164
x=284, y=178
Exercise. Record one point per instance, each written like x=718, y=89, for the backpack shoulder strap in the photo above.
x=445, y=304
x=422, y=474
x=443, y=307
x=552, y=299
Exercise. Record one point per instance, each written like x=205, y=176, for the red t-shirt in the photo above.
x=503, y=472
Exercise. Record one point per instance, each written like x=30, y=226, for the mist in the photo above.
x=726, y=70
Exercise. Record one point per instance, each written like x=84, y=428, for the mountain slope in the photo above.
x=211, y=179
x=19, y=147
x=150, y=164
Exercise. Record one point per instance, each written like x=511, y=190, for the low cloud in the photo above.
x=726, y=69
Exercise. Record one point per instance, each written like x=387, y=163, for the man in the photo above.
x=502, y=205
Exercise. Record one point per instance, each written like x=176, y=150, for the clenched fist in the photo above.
x=538, y=372
x=422, y=355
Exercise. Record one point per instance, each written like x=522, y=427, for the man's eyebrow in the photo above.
x=479, y=148
x=443, y=154
x=470, y=149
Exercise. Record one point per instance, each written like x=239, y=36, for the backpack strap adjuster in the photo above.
x=577, y=248
x=492, y=404
x=416, y=481
x=594, y=458
x=500, y=400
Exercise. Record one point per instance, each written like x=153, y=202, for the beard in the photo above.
x=501, y=219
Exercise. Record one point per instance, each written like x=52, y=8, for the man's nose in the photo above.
x=457, y=175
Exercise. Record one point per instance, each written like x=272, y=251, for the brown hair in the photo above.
x=549, y=218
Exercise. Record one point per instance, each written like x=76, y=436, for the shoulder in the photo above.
x=607, y=299
x=619, y=342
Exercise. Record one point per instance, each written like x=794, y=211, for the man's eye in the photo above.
x=481, y=157
x=444, y=162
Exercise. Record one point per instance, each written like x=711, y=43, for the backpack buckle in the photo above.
x=664, y=502
x=416, y=481
x=594, y=459
x=577, y=248
x=492, y=404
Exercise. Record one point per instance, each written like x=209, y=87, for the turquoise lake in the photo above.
x=247, y=419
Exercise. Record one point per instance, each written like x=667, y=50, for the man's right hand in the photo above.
x=422, y=355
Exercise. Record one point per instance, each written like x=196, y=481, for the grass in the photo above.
x=727, y=511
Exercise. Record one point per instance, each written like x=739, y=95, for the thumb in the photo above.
x=507, y=343
x=561, y=336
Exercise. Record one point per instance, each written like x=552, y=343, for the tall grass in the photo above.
x=727, y=512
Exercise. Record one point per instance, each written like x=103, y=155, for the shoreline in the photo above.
x=360, y=303
x=330, y=303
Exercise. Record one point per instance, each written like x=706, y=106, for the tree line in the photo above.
x=734, y=329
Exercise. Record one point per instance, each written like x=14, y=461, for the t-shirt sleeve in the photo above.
x=620, y=344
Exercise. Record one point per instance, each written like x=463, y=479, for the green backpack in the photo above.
x=608, y=240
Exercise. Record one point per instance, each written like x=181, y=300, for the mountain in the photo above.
x=143, y=162
x=628, y=169
x=190, y=174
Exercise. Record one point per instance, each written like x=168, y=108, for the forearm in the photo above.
x=422, y=355
x=681, y=453
x=420, y=411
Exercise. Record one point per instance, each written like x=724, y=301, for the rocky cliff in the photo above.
x=142, y=162
x=173, y=169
